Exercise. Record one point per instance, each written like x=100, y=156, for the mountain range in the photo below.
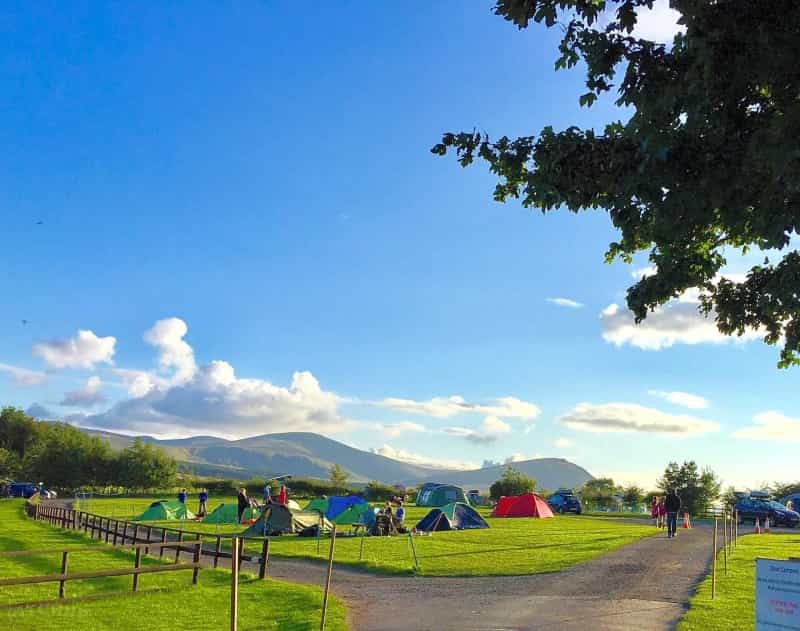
x=305, y=454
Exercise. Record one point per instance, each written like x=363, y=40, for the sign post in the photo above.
x=777, y=595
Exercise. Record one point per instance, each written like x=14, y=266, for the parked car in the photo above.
x=22, y=489
x=752, y=508
x=565, y=501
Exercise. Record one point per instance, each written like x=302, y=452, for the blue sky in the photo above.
x=258, y=180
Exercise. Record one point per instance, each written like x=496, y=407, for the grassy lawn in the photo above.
x=262, y=604
x=508, y=547
x=733, y=609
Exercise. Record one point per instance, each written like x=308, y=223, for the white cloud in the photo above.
x=471, y=435
x=565, y=302
x=82, y=351
x=642, y=272
x=677, y=322
x=423, y=461
x=774, y=426
x=139, y=382
x=174, y=353
x=629, y=417
x=562, y=443
x=515, y=457
x=685, y=399
x=659, y=24
x=493, y=425
x=87, y=395
x=23, y=376
x=446, y=407
x=393, y=430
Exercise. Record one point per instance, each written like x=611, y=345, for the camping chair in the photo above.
x=383, y=526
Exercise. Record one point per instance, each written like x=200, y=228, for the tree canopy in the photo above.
x=696, y=488
x=338, y=477
x=512, y=482
x=708, y=164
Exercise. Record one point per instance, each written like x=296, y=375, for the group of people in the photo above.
x=245, y=502
x=202, y=507
x=664, y=511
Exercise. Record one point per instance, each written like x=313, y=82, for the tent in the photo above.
x=525, y=505
x=433, y=494
x=454, y=516
x=229, y=514
x=277, y=519
x=165, y=510
x=334, y=506
x=292, y=505
x=354, y=514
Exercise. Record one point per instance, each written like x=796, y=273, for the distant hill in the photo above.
x=305, y=454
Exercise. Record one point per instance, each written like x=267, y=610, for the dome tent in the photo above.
x=166, y=510
x=455, y=516
x=278, y=519
x=434, y=494
x=229, y=514
x=525, y=505
x=334, y=506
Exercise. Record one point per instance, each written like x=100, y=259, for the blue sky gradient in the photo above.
x=263, y=174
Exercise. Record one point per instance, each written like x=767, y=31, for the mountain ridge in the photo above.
x=306, y=454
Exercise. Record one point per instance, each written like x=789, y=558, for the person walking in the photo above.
x=672, y=504
x=655, y=508
x=203, y=507
x=243, y=502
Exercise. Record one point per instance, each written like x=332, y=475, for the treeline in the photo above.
x=298, y=487
x=63, y=457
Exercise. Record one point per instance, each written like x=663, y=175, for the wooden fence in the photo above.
x=119, y=532
x=65, y=575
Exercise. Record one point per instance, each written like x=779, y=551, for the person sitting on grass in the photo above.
x=202, y=508
x=182, y=496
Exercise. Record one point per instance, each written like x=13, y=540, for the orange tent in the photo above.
x=525, y=505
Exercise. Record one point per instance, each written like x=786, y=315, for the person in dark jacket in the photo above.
x=673, y=505
x=203, y=506
x=243, y=501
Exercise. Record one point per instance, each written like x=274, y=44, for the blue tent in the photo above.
x=337, y=505
x=455, y=516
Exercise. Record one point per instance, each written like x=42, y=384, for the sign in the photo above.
x=777, y=595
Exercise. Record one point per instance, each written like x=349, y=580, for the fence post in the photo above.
x=108, y=529
x=149, y=535
x=136, y=534
x=137, y=564
x=63, y=573
x=178, y=547
x=328, y=579
x=414, y=550
x=234, y=583
x=36, y=512
x=262, y=569
x=163, y=540
x=116, y=532
x=217, y=549
x=85, y=523
x=714, y=563
x=196, y=560
x=725, y=540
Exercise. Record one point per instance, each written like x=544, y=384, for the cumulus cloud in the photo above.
x=629, y=417
x=446, y=407
x=774, y=426
x=139, y=382
x=23, y=376
x=562, y=443
x=685, y=399
x=84, y=350
x=493, y=425
x=565, y=302
x=423, y=461
x=174, y=353
x=87, y=395
x=677, y=322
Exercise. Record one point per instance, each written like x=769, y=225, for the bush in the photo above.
x=513, y=482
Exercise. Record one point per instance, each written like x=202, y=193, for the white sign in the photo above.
x=777, y=595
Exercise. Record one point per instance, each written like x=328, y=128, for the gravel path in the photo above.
x=644, y=585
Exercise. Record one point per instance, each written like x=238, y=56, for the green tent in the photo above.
x=320, y=504
x=165, y=510
x=277, y=520
x=352, y=515
x=436, y=495
x=229, y=514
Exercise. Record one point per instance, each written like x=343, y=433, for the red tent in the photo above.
x=525, y=505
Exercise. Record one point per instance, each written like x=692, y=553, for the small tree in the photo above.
x=338, y=477
x=632, y=495
x=697, y=489
x=600, y=491
x=512, y=482
x=142, y=466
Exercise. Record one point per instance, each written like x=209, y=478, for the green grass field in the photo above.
x=733, y=609
x=177, y=604
x=508, y=547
